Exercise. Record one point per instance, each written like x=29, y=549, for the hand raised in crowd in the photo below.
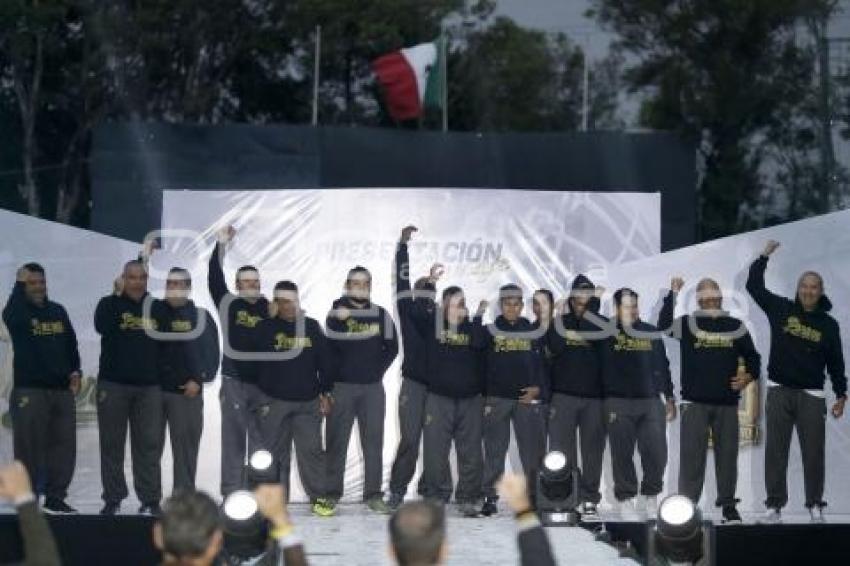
x=149, y=246
x=676, y=284
x=514, y=491
x=406, y=233
x=529, y=394
x=670, y=410
x=14, y=481
x=191, y=388
x=226, y=234
x=770, y=247
x=482, y=309
x=271, y=502
x=75, y=381
x=437, y=271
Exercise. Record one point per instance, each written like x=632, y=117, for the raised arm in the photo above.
x=665, y=316
x=768, y=301
x=15, y=312
x=215, y=274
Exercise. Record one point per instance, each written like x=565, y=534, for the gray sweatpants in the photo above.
x=367, y=404
x=449, y=419
x=567, y=415
x=239, y=430
x=642, y=421
x=184, y=418
x=697, y=419
x=529, y=422
x=411, y=412
x=283, y=422
x=140, y=407
x=45, y=437
x=787, y=409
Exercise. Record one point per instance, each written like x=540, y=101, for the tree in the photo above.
x=728, y=75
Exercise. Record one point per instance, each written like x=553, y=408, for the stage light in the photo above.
x=557, y=491
x=245, y=530
x=261, y=468
x=678, y=534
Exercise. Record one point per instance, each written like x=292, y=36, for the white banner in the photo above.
x=485, y=238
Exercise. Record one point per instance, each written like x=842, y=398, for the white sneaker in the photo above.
x=771, y=517
x=649, y=505
x=816, y=514
x=628, y=510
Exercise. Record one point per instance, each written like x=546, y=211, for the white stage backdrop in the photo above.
x=485, y=238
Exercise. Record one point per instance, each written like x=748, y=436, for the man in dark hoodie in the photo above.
x=363, y=343
x=295, y=381
x=805, y=342
x=239, y=316
x=515, y=383
x=188, y=357
x=46, y=379
x=718, y=360
x=576, y=405
x=635, y=373
x=411, y=399
x=128, y=390
x=452, y=412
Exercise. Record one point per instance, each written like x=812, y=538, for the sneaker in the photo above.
x=110, y=508
x=469, y=510
x=377, y=505
x=395, y=501
x=588, y=511
x=57, y=507
x=731, y=515
x=771, y=517
x=816, y=513
x=324, y=507
x=489, y=508
x=629, y=510
x=152, y=509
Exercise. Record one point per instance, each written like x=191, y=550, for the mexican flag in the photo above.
x=412, y=79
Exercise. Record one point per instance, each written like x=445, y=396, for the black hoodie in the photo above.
x=128, y=351
x=364, y=345
x=514, y=358
x=182, y=359
x=304, y=375
x=635, y=366
x=43, y=340
x=576, y=368
x=239, y=322
x=413, y=330
x=802, y=344
x=709, y=352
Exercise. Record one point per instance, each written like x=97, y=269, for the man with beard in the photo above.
x=188, y=358
x=363, y=344
x=239, y=315
x=712, y=345
x=46, y=379
x=576, y=405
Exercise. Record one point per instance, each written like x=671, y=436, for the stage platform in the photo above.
x=356, y=537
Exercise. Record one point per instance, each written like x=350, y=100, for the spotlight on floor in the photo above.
x=557, y=491
x=679, y=535
x=245, y=530
x=261, y=468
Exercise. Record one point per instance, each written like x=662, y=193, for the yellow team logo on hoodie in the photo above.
x=794, y=327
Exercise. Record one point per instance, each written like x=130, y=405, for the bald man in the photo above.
x=718, y=360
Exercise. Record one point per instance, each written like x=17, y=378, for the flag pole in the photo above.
x=445, y=86
x=316, y=60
